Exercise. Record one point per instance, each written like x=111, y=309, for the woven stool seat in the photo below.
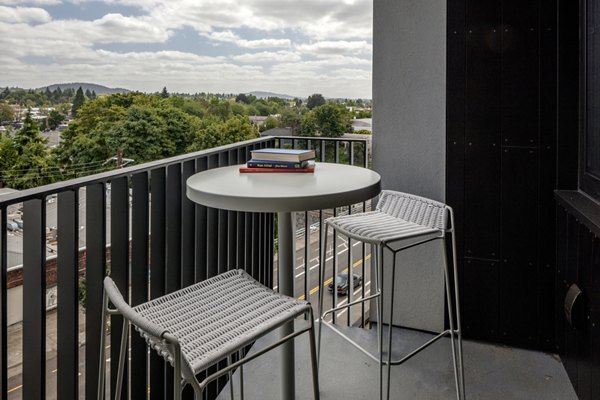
x=377, y=227
x=215, y=317
x=201, y=325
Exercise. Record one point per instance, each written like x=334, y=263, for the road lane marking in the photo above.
x=13, y=389
x=328, y=281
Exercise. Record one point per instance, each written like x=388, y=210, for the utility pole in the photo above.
x=119, y=158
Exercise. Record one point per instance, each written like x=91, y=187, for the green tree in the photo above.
x=238, y=109
x=332, y=120
x=213, y=133
x=77, y=101
x=140, y=135
x=55, y=119
x=308, y=125
x=315, y=100
x=164, y=94
x=88, y=94
x=6, y=113
x=242, y=98
x=270, y=123
x=328, y=120
x=8, y=156
x=33, y=166
x=219, y=108
x=290, y=118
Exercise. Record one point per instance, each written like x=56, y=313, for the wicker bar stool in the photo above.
x=400, y=221
x=196, y=327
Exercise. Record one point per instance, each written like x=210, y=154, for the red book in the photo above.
x=270, y=170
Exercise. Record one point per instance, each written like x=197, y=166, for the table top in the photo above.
x=331, y=185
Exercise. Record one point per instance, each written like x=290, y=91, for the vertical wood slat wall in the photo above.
x=501, y=165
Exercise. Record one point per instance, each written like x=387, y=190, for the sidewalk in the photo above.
x=15, y=347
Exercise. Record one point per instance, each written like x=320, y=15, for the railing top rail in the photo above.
x=53, y=188
x=42, y=191
x=320, y=138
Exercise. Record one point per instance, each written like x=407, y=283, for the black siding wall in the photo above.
x=578, y=259
x=501, y=158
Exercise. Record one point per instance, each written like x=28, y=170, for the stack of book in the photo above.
x=280, y=160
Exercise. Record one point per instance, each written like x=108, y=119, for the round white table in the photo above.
x=331, y=185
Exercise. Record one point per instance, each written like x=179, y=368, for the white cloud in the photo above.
x=336, y=47
x=268, y=56
x=24, y=14
x=29, y=2
x=301, y=47
x=230, y=37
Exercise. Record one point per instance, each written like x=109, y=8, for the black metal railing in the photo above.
x=141, y=228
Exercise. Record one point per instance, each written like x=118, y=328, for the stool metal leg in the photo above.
x=451, y=320
x=390, y=322
x=241, y=376
x=229, y=362
x=102, y=369
x=461, y=375
x=379, y=274
x=322, y=262
x=122, y=359
x=313, y=357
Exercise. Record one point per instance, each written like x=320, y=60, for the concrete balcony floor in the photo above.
x=491, y=372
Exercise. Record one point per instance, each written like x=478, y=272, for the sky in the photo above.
x=294, y=47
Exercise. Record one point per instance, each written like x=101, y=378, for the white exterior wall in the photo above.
x=409, y=140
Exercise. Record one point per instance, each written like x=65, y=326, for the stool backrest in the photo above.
x=152, y=333
x=416, y=209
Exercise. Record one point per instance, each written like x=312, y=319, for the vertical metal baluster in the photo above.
x=188, y=230
x=119, y=269
x=201, y=231
x=3, y=305
x=350, y=272
x=158, y=181
x=212, y=217
x=68, y=296
x=240, y=227
x=334, y=298
x=323, y=151
x=231, y=262
x=34, y=296
x=336, y=152
x=139, y=278
x=95, y=230
x=173, y=236
x=306, y=256
x=364, y=275
x=222, y=226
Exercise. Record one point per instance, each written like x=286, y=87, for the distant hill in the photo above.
x=99, y=89
x=264, y=95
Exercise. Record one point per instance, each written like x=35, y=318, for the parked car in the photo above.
x=11, y=226
x=341, y=281
x=19, y=222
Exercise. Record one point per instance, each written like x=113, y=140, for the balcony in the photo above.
x=139, y=226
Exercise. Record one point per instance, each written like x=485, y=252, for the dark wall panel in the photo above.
x=480, y=300
x=518, y=288
x=501, y=164
x=520, y=73
x=482, y=201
